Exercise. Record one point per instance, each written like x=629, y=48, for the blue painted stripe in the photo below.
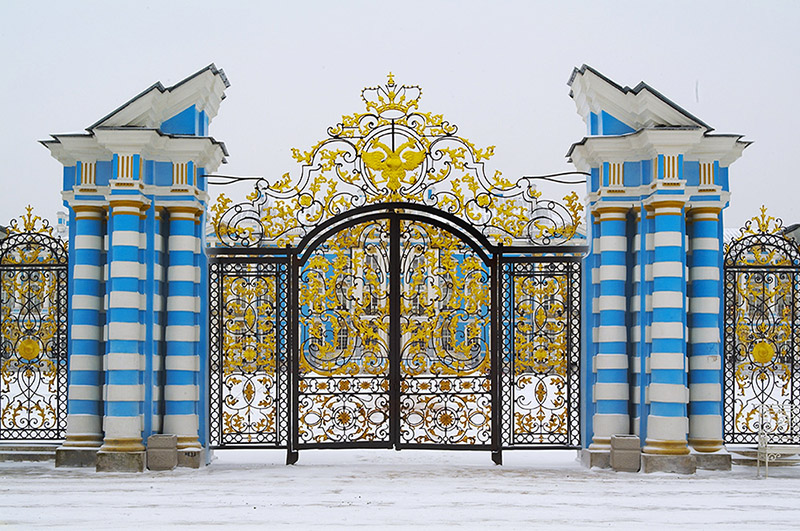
x=613, y=258
x=176, y=377
x=668, y=315
x=612, y=407
x=124, y=284
x=85, y=257
x=181, y=258
x=174, y=407
x=123, y=315
x=669, y=284
x=181, y=288
x=703, y=320
x=668, y=345
x=123, y=377
x=705, y=408
x=125, y=253
x=123, y=409
x=84, y=407
x=85, y=347
x=180, y=348
x=612, y=347
x=612, y=376
x=669, y=223
x=94, y=378
x=669, y=253
x=84, y=317
x=668, y=376
x=709, y=376
x=181, y=318
x=86, y=287
x=705, y=349
x=126, y=222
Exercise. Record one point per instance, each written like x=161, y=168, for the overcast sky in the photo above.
x=498, y=70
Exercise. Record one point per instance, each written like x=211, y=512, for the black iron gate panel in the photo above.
x=343, y=369
x=249, y=351
x=540, y=353
x=762, y=332
x=33, y=338
x=445, y=347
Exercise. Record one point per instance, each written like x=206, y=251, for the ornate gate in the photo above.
x=33, y=342
x=405, y=298
x=762, y=332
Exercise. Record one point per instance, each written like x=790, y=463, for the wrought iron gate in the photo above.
x=33, y=342
x=762, y=332
x=395, y=296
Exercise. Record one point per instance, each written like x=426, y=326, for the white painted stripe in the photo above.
x=610, y=302
x=124, y=361
x=648, y=272
x=636, y=334
x=667, y=299
x=158, y=273
x=612, y=272
x=611, y=391
x=704, y=335
x=595, y=304
x=705, y=244
x=181, y=425
x=125, y=237
x=86, y=241
x=704, y=273
x=85, y=392
x=668, y=330
x=611, y=361
x=124, y=393
x=668, y=239
x=606, y=425
x=648, y=303
x=87, y=302
x=182, y=363
x=649, y=242
x=668, y=269
x=181, y=273
x=181, y=392
x=182, y=303
x=125, y=331
x=705, y=392
x=86, y=332
x=635, y=303
x=704, y=305
x=606, y=334
x=157, y=333
x=670, y=393
x=613, y=243
x=594, y=335
x=121, y=269
x=87, y=272
x=705, y=427
x=158, y=303
x=126, y=299
x=86, y=425
x=123, y=427
x=85, y=362
x=701, y=363
x=183, y=333
x=178, y=242
x=667, y=361
x=667, y=428
x=157, y=364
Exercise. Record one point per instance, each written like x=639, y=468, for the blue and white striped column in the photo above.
x=705, y=352
x=637, y=313
x=158, y=306
x=125, y=362
x=667, y=423
x=611, y=391
x=84, y=402
x=182, y=362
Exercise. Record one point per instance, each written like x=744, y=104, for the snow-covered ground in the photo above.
x=375, y=489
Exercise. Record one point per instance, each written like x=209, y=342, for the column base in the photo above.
x=593, y=458
x=706, y=445
x=720, y=460
x=120, y=461
x=674, y=464
x=662, y=447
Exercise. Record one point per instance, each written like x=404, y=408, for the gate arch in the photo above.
x=394, y=295
x=33, y=342
x=762, y=328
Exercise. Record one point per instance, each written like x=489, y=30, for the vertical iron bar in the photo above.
x=494, y=362
x=394, y=329
x=294, y=274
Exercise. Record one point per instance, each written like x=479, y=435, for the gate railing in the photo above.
x=33, y=332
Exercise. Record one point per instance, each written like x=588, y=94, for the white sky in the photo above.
x=498, y=70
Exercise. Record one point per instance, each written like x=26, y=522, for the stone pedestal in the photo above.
x=675, y=464
x=76, y=457
x=595, y=458
x=626, y=453
x=720, y=460
x=191, y=457
x=162, y=452
x=121, y=461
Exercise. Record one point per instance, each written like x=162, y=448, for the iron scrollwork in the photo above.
x=394, y=152
x=762, y=274
x=33, y=353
